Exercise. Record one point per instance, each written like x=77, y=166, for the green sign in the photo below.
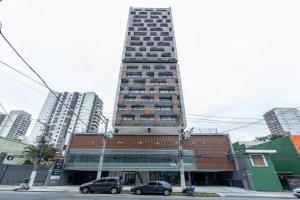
x=109, y=134
x=57, y=169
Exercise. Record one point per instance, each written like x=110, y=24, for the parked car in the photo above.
x=153, y=187
x=297, y=192
x=112, y=185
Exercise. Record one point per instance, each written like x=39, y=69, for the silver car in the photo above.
x=297, y=192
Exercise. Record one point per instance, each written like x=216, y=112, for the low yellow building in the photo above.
x=12, y=151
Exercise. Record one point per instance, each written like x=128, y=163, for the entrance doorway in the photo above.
x=207, y=178
x=80, y=177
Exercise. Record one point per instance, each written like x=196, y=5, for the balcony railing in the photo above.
x=168, y=122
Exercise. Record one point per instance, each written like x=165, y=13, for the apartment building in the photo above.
x=15, y=124
x=149, y=95
x=74, y=113
x=283, y=121
x=2, y=117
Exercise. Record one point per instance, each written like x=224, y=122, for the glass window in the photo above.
x=127, y=118
x=101, y=181
x=151, y=183
x=258, y=160
x=147, y=118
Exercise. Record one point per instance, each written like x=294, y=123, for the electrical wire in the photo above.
x=18, y=71
x=54, y=93
x=43, y=81
x=253, y=123
x=23, y=84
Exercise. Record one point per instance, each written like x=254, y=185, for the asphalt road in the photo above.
x=78, y=196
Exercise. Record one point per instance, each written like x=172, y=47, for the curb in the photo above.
x=220, y=194
x=266, y=197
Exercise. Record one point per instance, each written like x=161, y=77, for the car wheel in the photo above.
x=138, y=191
x=85, y=190
x=113, y=190
x=166, y=192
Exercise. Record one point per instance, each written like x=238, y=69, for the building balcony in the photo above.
x=149, y=59
x=147, y=122
x=128, y=123
x=164, y=112
x=168, y=123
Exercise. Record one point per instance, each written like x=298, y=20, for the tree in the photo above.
x=40, y=155
x=268, y=138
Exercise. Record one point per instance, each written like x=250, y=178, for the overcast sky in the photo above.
x=237, y=58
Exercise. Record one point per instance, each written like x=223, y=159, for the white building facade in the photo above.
x=283, y=121
x=74, y=113
x=15, y=124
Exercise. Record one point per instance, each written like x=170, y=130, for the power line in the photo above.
x=214, y=116
x=43, y=81
x=23, y=84
x=250, y=124
x=18, y=71
x=217, y=121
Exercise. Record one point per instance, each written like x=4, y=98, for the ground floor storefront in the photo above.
x=142, y=158
x=76, y=177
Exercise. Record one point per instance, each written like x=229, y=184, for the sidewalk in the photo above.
x=220, y=190
x=239, y=192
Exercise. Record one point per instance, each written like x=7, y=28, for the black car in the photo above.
x=153, y=187
x=112, y=185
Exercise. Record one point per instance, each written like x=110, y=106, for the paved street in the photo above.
x=71, y=195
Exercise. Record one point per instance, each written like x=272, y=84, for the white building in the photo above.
x=62, y=116
x=15, y=124
x=283, y=121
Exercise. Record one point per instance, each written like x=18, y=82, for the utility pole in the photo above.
x=182, y=137
x=40, y=145
x=182, y=177
x=100, y=165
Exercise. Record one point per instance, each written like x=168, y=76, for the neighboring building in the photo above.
x=12, y=151
x=283, y=121
x=287, y=159
x=15, y=124
x=149, y=95
x=247, y=144
x=61, y=120
x=2, y=117
x=140, y=158
x=256, y=168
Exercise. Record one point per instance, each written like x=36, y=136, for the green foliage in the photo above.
x=268, y=138
x=40, y=155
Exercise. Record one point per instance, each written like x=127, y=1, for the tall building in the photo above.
x=283, y=121
x=15, y=124
x=61, y=120
x=149, y=95
x=2, y=117
x=148, y=114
